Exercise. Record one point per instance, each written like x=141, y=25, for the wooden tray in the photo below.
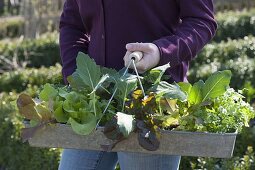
x=171, y=142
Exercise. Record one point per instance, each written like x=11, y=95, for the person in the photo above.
x=165, y=31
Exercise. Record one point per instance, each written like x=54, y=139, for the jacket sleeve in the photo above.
x=197, y=28
x=73, y=37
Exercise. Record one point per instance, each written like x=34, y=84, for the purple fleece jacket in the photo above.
x=102, y=28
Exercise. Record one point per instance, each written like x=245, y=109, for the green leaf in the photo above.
x=62, y=93
x=109, y=71
x=124, y=86
x=169, y=120
x=74, y=101
x=26, y=108
x=154, y=75
x=169, y=105
x=216, y=84
x=90, y=74
x=73, y=97
x=126, y=123
x=48, y=92
x=101, y=81
x=186, y=87
x=59, y=113
x=33, y=123
x=67, y=106
x=86, y=127
x=167, y=90
x=88, y=71
x=60, y=116
x=43, y=110
x=85, y=116
x=195, y=96
x=71, y=107
x=75, y=81
x=94, y=106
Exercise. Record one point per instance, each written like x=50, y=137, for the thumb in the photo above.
x=136, y=47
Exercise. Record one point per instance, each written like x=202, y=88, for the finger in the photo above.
x=127, y=58
x=146, y=63
x=137, y=47
x=142, y=65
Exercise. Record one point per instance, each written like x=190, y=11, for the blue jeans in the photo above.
x=98, y=160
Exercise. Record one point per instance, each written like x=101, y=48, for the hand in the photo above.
x=150, y=59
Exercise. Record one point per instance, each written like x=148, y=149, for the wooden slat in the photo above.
x=171, y=142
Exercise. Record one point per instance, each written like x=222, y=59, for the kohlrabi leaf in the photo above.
x=167, y=90
x=124, y=86
x=93, y=106
x=101, y=81
x=48, y=92
x=87, y=125
x=88, y=71
x=154, y=75
x=126, y=123
x=75, y=81
x=216, y=84
x=109, y=71
x=195, y=96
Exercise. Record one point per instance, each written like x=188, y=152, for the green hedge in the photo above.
x=15, y=154
x=236, y=55
x=20, y=80
x=11, y=27
x=43, y=51
x=234, y=24
x=231, y=24
x=223, y=5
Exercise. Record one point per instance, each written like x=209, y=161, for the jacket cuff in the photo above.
x=168, y=52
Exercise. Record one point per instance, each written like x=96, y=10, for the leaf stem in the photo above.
x=115, y=90
x=94, y=104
